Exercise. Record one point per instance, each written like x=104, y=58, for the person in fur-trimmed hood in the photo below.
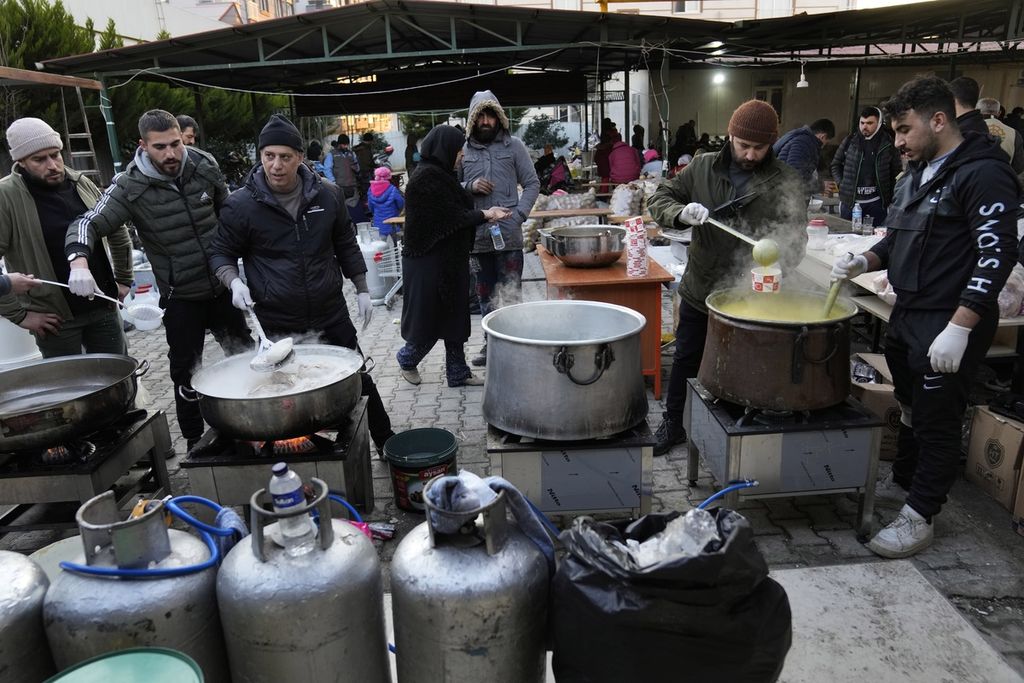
x=439, y=227
x=493, y=164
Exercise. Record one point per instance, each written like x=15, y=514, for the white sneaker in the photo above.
x=908, y=534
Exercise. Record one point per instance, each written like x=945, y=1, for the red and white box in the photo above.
x=636, y=247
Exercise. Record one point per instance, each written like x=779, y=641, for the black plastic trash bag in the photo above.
x=713, y=617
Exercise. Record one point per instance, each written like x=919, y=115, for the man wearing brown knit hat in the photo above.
x=767, y=198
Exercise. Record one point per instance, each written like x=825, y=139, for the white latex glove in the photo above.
x=365, y=307
x=694, y=213
x=82, y=283
x=240, y=296
x=848, y=266
x=948, y=348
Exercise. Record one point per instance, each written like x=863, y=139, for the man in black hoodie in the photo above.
x=968, y=118
x=951, y=244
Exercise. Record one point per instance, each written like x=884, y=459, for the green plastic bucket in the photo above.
x=149, y=664
x=415, y=457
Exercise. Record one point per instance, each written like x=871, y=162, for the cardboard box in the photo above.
x=994, y=455
x=878, y=399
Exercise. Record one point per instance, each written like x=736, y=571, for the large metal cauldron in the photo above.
x=313, y=392
x=53, y=401
x=316, y=617
x=777, y=351
x=564, y=370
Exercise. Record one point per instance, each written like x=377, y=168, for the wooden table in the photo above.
x=600, y=214
x=611, y=285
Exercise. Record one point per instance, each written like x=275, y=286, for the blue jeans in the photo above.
x=97, y=331
x=455, y=368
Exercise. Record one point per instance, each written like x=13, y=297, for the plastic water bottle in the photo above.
x=297, y=532
x=496, y=239
x=858, y=219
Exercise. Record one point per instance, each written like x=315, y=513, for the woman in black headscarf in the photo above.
x=440, y=224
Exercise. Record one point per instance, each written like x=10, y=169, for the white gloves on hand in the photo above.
x=82, y=283
x=848, y=266
x=365, y=307
x=240, y=296
x=948, y=348
x=694, y=213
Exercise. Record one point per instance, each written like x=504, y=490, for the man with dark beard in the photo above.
x=951, y=244
x=38, y=200
x=745, y=166
x=493, y=164
x=172, y=193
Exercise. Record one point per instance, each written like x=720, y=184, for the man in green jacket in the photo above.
x=38, y=200
x=769, y=202
x=172, y=193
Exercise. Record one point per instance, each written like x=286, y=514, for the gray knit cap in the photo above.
x=28, y=136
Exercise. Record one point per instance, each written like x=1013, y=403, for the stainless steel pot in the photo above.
x=50, y=402
x=753, y=358
x=564, y=370
x=313, y=392
x=585, y=246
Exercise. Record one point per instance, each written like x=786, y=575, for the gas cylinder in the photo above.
x=24, y=654
x=315, y=617
x=88, y=615
x=470, y=606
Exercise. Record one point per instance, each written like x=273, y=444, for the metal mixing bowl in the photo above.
x=586, y=246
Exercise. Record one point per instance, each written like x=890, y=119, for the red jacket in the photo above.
x=624, y=163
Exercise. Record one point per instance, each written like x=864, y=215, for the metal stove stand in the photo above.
x=121, y=448
x=833, y=450
x=569, y=478
x=229, y=471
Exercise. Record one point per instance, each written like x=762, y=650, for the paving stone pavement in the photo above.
x=976, y=560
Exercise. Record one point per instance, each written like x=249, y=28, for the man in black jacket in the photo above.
x=966, y=92
x=951, y=244
x=865, y=168
x=292, y=231
x=172, y=194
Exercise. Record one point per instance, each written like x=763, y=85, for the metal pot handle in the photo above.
x=369, y=364
x=800, y=352
x=142, y=369
x=563, y=362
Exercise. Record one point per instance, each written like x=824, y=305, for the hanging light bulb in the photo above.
x=802, y=83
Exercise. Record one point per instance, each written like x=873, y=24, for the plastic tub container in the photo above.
x=817, y=234
x=150, y=664
x=414, y=458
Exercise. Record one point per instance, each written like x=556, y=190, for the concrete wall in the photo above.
x=139, y=20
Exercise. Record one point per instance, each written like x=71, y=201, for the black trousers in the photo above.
x=690, y=336
x=928, y=457
x=343, y=333
x=186, y=323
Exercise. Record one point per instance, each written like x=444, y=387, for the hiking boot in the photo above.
x=411, y=376
x=480, y=360
x=670, y=433
x=909, y=534
x=471, y=381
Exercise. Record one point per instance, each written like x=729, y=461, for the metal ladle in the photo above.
x=765, y=252
x=270, y=355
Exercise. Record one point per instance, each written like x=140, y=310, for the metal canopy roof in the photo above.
x=414, y=41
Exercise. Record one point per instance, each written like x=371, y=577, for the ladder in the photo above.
x=79, y=146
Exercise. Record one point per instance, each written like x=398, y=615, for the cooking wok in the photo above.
x=50, y=402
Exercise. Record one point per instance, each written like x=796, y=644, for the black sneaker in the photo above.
x=379, y=446
x=480, y=360
x=670, y=433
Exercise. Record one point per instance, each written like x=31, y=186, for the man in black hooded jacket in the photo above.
x=292, y=231
x=951, y=244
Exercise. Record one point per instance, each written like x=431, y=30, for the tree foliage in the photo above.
x=543, y=130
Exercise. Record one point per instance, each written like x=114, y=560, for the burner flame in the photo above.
x=55, y=455
x=300, y=444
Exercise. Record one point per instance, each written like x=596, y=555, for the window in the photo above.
x=687, y=7
x=265, y=5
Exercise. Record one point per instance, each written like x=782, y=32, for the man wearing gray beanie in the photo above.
x=38, y=200
x=172, y=194
x=292, y=231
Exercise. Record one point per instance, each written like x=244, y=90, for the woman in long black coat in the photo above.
x=440, y=224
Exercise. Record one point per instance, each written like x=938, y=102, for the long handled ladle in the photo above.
x=766, y=251
x=270, y=355
x=98, y=295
